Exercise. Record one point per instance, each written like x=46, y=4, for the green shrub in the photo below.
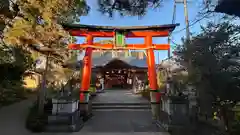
x=92, y=89
x=146, y=94
x=11, y=95
x=235, y=126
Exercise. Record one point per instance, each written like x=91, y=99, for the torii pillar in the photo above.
x=85, y=104
x=152, y=77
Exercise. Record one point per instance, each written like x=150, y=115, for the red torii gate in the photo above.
x=119, y=34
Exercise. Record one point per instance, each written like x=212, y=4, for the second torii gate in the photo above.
x=119, y=34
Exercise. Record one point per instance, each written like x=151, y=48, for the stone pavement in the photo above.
x=108, y=122
x=122, y=122
x=12, y=119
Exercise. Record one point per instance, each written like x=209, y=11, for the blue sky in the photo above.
x=159, y=16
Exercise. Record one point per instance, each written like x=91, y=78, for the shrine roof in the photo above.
x=130, y=60
x=169, y=27
x=230, y=7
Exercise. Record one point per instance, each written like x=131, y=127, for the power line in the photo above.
x=186, y=20
x=174, y=42
x=192, y=24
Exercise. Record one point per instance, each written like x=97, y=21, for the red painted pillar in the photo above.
x=151, y=64
x=86, y=72
x=152, y=77
x=152, y=69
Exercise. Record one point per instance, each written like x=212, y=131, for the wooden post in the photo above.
x=154, y=93
x=86, y=78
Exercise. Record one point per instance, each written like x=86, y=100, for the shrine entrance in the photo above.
x=115, y=74
x=118, y=74
x=119, y=34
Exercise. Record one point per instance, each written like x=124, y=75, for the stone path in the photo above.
x=121, y=121
x=12, y=119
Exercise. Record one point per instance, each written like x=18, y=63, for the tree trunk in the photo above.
x=42, y=92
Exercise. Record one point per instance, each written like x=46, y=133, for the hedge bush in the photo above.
x=235, y=126
x=146, y=94
x=11, y=95
x=93, y=91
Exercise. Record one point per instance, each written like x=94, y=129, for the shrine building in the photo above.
x=119, y=69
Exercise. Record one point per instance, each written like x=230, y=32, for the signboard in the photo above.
x=120, y=39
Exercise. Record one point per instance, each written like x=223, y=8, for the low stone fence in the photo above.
x=174, y=112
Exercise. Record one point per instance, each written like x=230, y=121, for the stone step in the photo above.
x=121, y=107
x=121, y=104
x=120, y=110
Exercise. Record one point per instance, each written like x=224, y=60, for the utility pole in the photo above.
x=169, y=41
x=187, y=30
x=186, y=20
x=174, y=12
x=173, y=22
x=184, y=2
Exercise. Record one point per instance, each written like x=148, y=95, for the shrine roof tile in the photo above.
x=169, y=27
